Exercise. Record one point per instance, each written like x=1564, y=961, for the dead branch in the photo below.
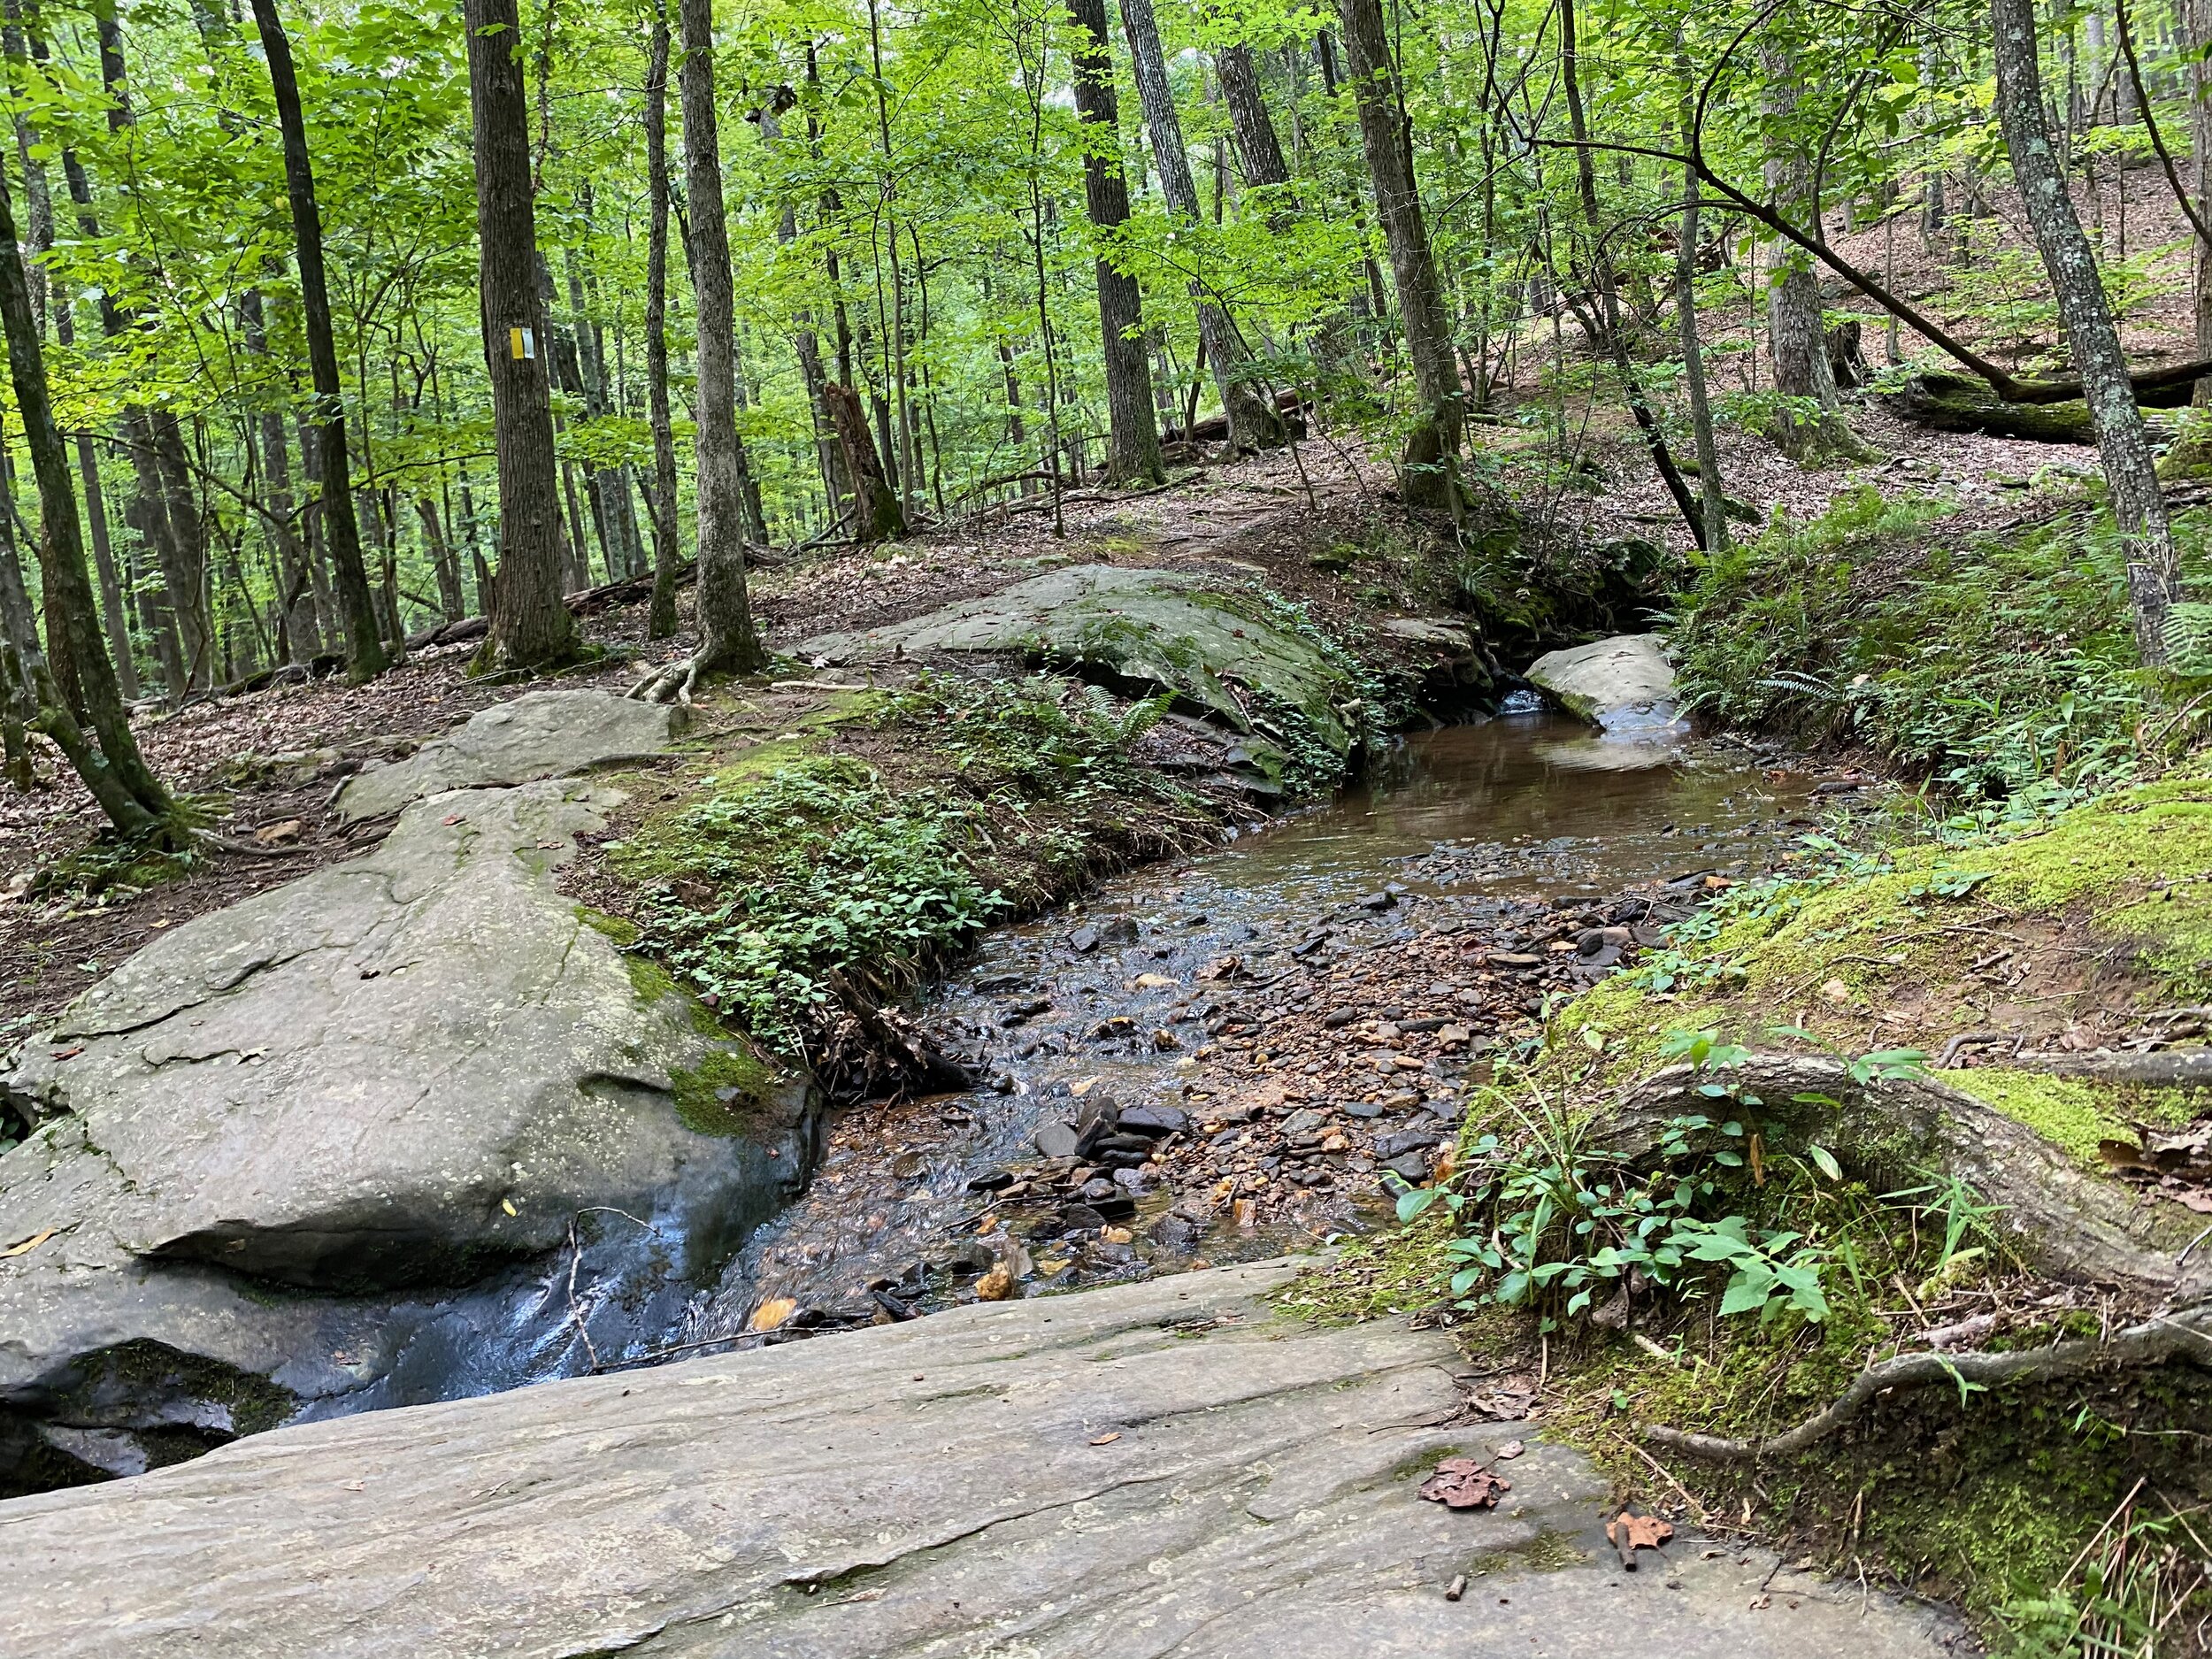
x=2181, y=1334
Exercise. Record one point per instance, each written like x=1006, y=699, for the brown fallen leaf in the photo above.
x=275, y=834
x=771, y=1314
x=995, y=1286
x=25, y=1246
x=1645, y=1531
x=1462, y=1483
x=1105, y=1440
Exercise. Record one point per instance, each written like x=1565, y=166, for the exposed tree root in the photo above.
x=2186, y=1069
x=2069, y=1221
x=2185, y=1334
x=672, y=683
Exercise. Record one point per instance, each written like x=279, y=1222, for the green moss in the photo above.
x=2070, y=1113
x=1549, y=1551
x=724, y=1095
x=622, y=930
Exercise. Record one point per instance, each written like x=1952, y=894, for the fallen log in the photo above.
x=1215, y=428
x=1952, y=403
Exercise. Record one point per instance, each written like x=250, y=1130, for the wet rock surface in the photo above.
x=539, y=734
x=1157, y=1469
x=275, y=1147
x=1624, y=684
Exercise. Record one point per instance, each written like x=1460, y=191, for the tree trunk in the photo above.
x=1712, y=500
x=660, y=620
x=109, y=761
x=1432, y=455
x=1601, y=266
x=2196, y=22
x=727, y=642
x=342, y=533
x=1132, y=433
x=876, y=516
x=530, y=627
x=1796, y=341
x=1253, y=422
x=2137, y=507
x=1257, y=147
x=296, y=599
x=452, y=601
x=611, y=484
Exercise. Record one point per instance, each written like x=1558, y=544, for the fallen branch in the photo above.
x=2179, y=1335
x=2186, y=1069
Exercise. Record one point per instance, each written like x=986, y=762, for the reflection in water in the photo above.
x=1525, y=806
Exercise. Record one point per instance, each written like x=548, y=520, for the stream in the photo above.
x=1280, y=1022
x=1492, y=828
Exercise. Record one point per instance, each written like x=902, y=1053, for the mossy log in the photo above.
x=2066, y=1220
x=1956, y=402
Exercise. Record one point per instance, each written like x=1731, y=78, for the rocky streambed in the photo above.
x=1243, y=1055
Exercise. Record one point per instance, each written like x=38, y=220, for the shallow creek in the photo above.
x=1485, y=823
x=1238, y=992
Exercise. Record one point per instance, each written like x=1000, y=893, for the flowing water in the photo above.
x=1524, y=806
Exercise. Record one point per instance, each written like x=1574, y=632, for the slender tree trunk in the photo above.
x=2138, y=508
x=727, y=642
x=364, y=647
x=452, y=601
x=107, y=760
x=1713, y=504
x=1253, y=422
x=2196, y=23
x=296, y=598
x=660, y=621
x=1132, y=433
x=617, y=513
x=876, y=514
x=1431, y=461
x=1608, y=332
x=531, y=627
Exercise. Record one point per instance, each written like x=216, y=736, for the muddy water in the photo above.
x=1529, y=806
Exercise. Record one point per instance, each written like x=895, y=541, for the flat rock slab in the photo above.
x=539, y=734
x=1157, y=1469
x=1624, y=684
x=1166, y=629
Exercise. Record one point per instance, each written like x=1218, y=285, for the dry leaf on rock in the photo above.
x=1645, y=1531
x=1462, y=1483
x=773, y=1313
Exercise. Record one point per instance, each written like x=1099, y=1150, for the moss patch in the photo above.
x=725, y=1095
x=2068, y=1112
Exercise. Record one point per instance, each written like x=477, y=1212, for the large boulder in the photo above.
x=270, y=1143
x=1163, y=1467
x=1150, y=629
x=539, y=734
x=1624, y=684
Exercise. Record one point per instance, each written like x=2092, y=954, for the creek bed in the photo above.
x=1352, y=964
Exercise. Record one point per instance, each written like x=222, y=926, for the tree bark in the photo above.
x=1253, y=422
x=2196, y=24
x=1258, y=150
x=1431, y=463
x=1132, y=433
x=1712, y=500
x=2138, y=508
x=876, y=515
x=303, y=638
x=617, y=513
x=727, y=642
x=530, y=627
x=108, y=760
x=1796, y=342
x=660, y=621
x=364, y=646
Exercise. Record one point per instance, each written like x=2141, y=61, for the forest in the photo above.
x=1379, y=826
